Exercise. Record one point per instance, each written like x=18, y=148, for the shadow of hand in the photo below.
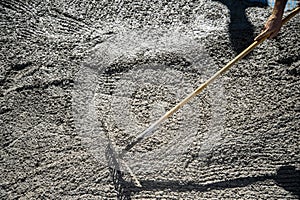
x=241, y=31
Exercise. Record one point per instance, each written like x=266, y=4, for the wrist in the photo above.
x=276, y=15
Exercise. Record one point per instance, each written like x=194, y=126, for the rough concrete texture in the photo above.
x=80, y=79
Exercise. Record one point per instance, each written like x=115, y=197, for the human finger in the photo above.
x=273, y=35
x=262, y=35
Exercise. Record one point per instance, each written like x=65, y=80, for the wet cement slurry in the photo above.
x=80, y=79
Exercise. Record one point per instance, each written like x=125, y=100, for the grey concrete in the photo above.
x=80, y=79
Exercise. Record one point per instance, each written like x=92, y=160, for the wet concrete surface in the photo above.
x=80, y=79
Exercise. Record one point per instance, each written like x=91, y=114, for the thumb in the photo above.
x=263, y=34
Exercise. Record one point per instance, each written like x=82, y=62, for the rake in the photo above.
x=151, y=129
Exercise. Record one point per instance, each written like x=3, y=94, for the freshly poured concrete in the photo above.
x=80, y=79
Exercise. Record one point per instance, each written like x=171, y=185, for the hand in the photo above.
x=272, y=27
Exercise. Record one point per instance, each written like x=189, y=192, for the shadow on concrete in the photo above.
x=286, y=177
x=241, y=31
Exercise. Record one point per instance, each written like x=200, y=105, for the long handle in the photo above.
x=150, y=130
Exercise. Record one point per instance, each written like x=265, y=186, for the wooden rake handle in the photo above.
x=149, y=131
